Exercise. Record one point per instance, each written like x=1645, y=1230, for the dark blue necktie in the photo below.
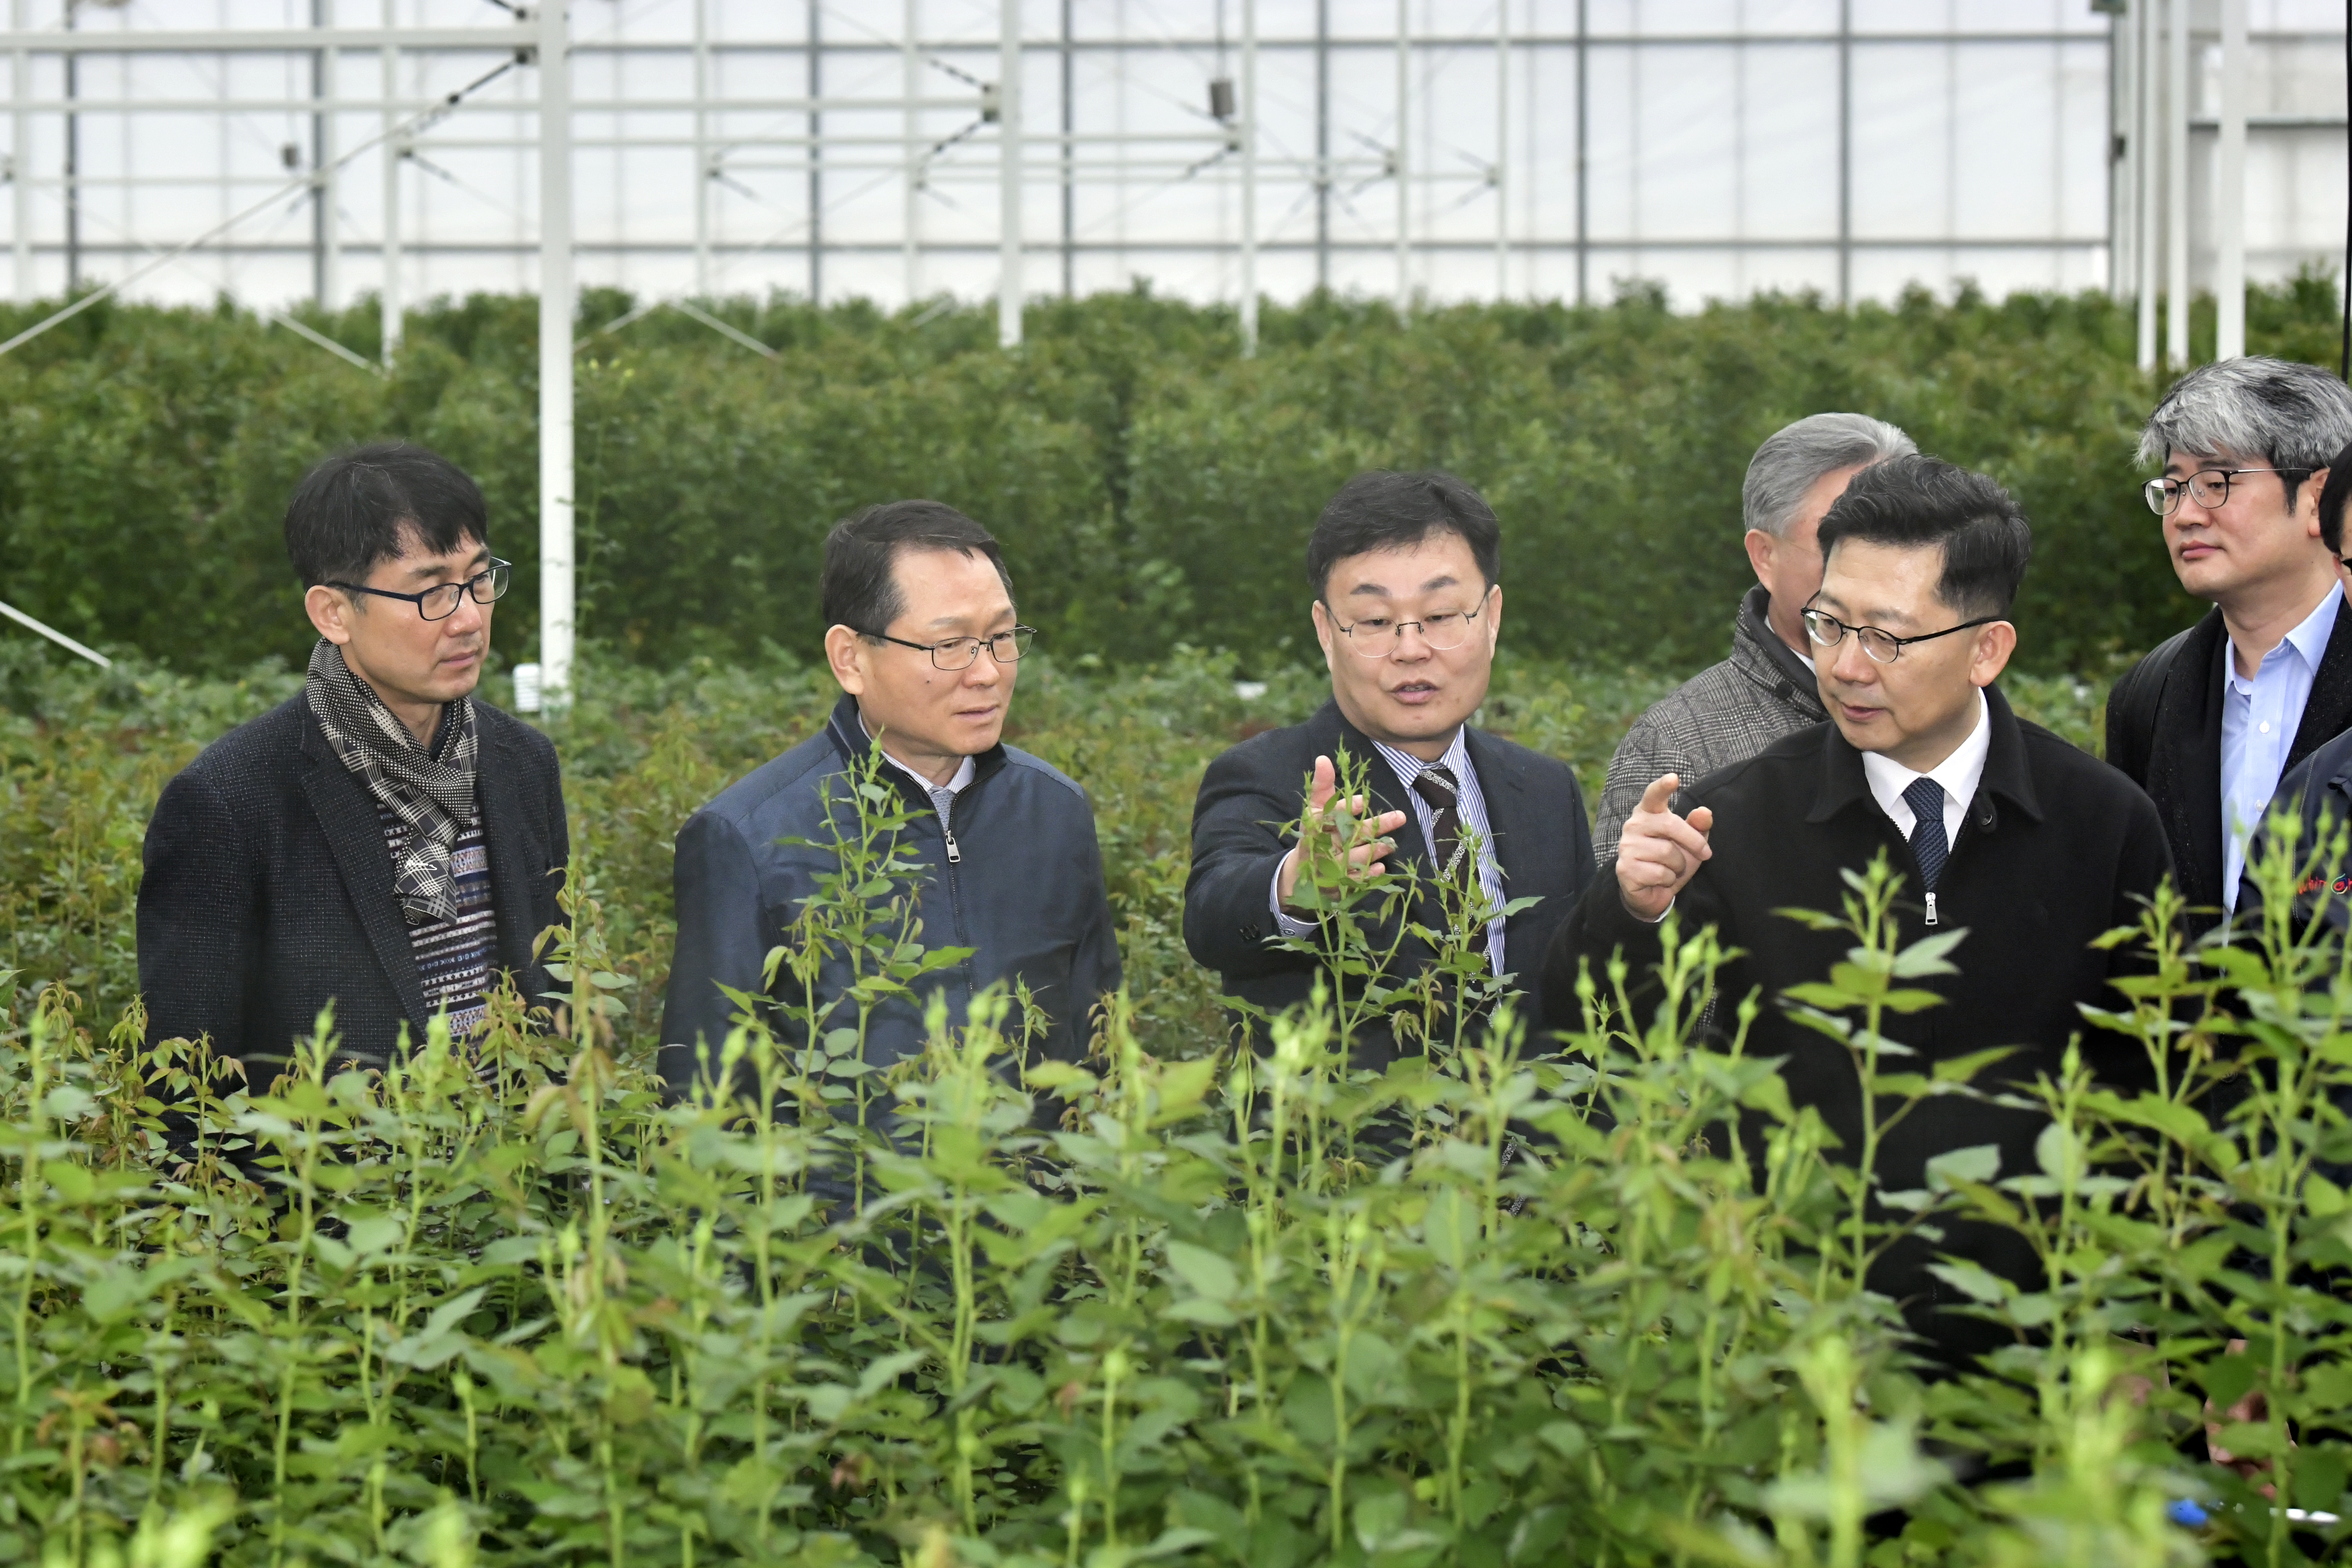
x=1928, y=845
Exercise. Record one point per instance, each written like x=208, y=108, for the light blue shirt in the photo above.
x=2259, y=718
x=1469, y=807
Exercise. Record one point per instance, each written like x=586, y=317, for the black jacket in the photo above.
x=269, y=890
x=1026, y=895
x=2056, y=848
x=2164, y=731
x=1541, y=840
x=2318, y=791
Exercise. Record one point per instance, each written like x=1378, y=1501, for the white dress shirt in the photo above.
x=1958, y=774
x=942, y=795
x=2259, y=718
x=1470, y=812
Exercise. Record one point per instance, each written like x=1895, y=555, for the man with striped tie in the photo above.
x=1408, y=609
x=1999, y=829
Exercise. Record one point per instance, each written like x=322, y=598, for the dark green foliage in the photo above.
x=1151, y=486
x=532, y=1316
x=1226, y=1312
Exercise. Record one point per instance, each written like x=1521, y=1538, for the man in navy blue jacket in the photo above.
x=924, y=642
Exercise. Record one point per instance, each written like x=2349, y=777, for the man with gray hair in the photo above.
x=1730, y=712
x=2207, y=722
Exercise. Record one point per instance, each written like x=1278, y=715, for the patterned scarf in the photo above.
x=434, y=796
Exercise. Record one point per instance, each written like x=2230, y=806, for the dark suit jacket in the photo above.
x=2055, y=849
x=1541, y=840
x=269, y=890
x=2164, y=731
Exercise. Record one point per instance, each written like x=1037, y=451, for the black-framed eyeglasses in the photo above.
x=438, y=603
x=2209, y=487
x=1376, y=636
x=962, y=652
x=1883, y=647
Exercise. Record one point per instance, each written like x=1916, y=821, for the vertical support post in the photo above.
x=2148, y=161
x=702, y=148
x=2123, y=145
x=20, y=151
x=1008, y=133
x=389, y=298
x=73, y=159
x=1502, y=148
x=1403, y=162
x=2230, y=191
x=1584, y=129
x=910, y=67
x=1249, y=178
x=556, y=587
x=2176, y=183
x=1323, y=143
x=1067, y=161
x=1845, y=153
x=815, y=155
x=327, y=281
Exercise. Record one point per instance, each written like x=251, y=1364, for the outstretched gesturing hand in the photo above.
x=1365, y=844
x=1660, y=852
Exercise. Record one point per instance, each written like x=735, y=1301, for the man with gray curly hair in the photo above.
x=2209, y=722
x=1730, y=712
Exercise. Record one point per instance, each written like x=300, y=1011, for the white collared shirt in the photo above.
x=942, y=796
x=1469, y=808
x=1959, y=775
x=2259, y=714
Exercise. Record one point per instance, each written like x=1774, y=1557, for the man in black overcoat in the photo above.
x=2210, y=720
x=2000, y=830
x=386, y=841
x=1408, y=608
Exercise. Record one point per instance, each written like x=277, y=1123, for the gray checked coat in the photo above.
x=1724, y=714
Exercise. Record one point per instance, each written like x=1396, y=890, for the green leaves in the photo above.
x=1208, y=1274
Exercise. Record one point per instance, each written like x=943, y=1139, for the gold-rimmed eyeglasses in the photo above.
x=1377, y=636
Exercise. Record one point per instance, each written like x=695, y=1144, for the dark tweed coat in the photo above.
x=269, y=890
x=1724, y=714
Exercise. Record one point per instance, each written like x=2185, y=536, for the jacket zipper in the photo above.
x=955, y=894
x=1931, y=909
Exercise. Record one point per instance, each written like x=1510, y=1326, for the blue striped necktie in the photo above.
x=1928, y=845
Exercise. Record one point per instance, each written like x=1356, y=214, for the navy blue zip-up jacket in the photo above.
x=1025, y=891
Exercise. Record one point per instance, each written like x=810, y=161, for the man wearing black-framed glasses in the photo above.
x=387, y=839
x=2209, y=721
x=2005, y=835
x=925, y=645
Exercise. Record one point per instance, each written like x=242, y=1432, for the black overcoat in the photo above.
x=2164, y=731
x=2056, y=848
